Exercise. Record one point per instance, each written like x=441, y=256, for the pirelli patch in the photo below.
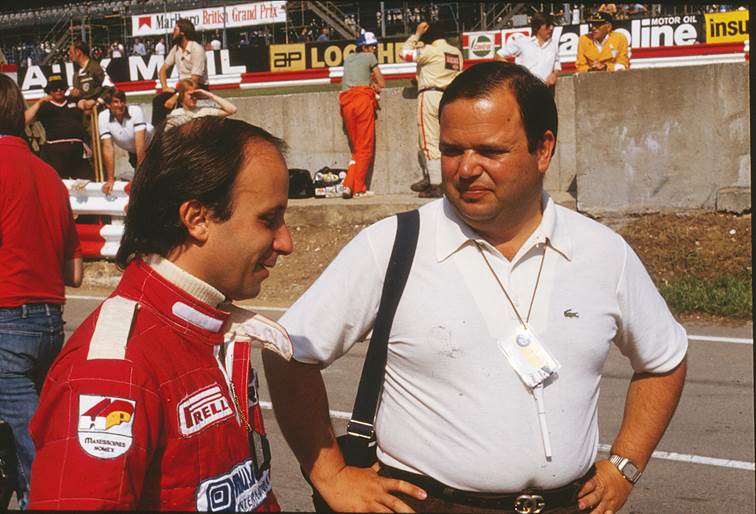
x=105, y=425
x=202, y=409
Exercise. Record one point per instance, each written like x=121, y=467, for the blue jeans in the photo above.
x=31, y=336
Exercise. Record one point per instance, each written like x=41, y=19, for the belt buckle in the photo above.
x=529, y=504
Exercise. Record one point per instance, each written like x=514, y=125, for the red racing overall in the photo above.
x=139, y=413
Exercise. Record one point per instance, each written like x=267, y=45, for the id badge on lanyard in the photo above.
x=527, y=356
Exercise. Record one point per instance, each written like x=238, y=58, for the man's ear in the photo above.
x=545, y=151
x=195, y=216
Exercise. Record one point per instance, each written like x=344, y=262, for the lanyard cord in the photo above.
x=535, y=288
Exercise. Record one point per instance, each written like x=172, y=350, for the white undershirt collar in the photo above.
x=199, y=289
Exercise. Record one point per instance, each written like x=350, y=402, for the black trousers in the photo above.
x=68, y=160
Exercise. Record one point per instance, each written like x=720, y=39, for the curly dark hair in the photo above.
x=199, y=160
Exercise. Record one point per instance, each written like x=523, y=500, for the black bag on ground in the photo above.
x=300, y=184
x=8, y=464
x=358, y=445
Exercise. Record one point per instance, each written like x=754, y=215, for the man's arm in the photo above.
x=651, y=401
x=301, y=408
x=509, y=51
x=31, y=111
x=98, y=75
x=72, y=272
x=139, y=136
x=108, y=158
x=622, y=62
x=170, y=60
x=377, y=78
x=581, y=62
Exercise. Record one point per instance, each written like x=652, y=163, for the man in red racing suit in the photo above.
x=152, y=404
x=139, y=403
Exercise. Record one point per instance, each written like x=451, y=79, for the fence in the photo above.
x=99, y=240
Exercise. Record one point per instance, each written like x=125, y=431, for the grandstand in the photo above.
x=39, y=31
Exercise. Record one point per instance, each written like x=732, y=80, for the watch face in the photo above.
x=631, y=471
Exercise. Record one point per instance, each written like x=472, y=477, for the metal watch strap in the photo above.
x=633, y=474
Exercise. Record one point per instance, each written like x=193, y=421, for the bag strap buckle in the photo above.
x=360, y=429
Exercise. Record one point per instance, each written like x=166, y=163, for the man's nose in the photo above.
x=469, y=165
x=282, y=242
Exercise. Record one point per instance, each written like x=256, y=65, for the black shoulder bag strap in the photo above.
x=358, y=444
x=374, y=368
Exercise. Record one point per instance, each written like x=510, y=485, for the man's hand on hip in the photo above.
x=606, y=492
x=355, y=489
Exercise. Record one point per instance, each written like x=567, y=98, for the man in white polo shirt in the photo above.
x=489, y=402
x=123, y=125
x=538, y=53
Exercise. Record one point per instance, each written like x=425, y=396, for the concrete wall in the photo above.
x=633, y=141
x=661, y=138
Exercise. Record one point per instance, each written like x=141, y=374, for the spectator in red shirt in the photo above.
x=39, y=254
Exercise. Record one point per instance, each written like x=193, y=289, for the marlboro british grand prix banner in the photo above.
x=211, y=18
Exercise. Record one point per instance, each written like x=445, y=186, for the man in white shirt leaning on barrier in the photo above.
x=124, y=126
x=495, y=355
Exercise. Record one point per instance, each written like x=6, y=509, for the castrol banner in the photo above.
x=211, y=18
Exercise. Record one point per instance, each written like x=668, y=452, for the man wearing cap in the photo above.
x=437, y=64
x=602, y=49
x=65, y=147
x=358, y=102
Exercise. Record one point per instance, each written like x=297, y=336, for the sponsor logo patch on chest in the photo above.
x=236, y=491
x=105, y=425
x=202, y=409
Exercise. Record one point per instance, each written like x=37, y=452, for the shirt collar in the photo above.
x=452, y=233
x=546, y=43
x=199, y=289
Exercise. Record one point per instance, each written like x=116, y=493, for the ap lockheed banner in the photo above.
x=304, y=56
x=211, y=18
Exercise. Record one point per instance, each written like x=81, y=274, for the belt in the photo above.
x=529, y=501
x=439, y=89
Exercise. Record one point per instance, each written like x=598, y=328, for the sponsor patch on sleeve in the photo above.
x=105, y=425
x=202, y=409
x=451, y=62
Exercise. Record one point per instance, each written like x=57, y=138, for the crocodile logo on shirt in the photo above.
x=569, y=313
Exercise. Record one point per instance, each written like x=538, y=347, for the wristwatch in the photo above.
x=625, y=466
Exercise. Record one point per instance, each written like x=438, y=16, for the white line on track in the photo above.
x=710, y=339
x=713, y=339
x=679, y=457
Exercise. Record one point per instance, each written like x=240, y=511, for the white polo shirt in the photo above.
x=122, y=133
x=540, y=60
x=190, y=61
x=452, y=407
